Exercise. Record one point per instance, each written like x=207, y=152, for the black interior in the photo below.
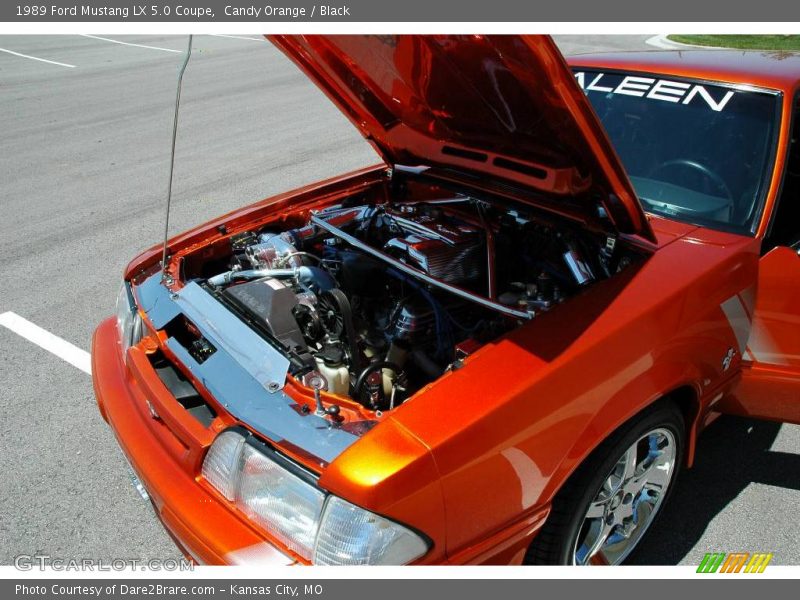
x=713, y=164
x=785, y=226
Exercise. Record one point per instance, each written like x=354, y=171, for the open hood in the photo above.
x=505, y=108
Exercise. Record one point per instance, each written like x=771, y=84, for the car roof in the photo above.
x=770, y=69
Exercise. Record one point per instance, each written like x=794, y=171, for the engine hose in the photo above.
x=426, y=364
x=371, y=368
x=439, y=313
x=337, y=297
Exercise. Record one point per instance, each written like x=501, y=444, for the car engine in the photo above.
x=372, y=302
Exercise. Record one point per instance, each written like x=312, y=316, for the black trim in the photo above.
x=519, y=167
x=779, y=199
x=464, y=153
x=284, y=461
x=265, y=448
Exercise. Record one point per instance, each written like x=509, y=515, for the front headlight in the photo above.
x=319, y=527
x=350, y=535
x=129, y=322
x=279, y=502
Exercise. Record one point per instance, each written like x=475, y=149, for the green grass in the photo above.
x=744, y=42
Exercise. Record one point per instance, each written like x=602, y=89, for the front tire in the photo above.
x=606, y=507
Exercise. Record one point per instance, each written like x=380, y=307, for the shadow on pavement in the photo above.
x=732, y=453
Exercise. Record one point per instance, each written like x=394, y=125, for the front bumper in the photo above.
x=199, y=522
x=202, y=527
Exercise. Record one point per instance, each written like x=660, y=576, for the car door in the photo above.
x=770, y=382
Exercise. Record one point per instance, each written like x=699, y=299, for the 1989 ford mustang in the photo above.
x=499, y=346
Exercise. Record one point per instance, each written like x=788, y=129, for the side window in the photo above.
x=785, y=230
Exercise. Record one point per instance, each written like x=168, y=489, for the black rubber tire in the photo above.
x=554, y=543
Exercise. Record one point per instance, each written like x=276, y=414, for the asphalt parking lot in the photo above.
x=86, y=125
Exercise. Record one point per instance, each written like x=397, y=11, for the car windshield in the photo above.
x=694, y=151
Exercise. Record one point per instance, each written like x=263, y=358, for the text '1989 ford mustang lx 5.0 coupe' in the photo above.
x=497, y=347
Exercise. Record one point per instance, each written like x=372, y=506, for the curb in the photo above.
x=661, y=41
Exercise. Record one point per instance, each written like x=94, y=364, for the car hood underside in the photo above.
x=499, y=107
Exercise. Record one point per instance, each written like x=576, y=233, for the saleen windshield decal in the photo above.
x=655, y=89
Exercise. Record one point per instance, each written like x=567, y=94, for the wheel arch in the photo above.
x=684, y=395
x=688, y=401
x=570, y=493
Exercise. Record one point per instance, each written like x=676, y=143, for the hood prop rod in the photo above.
x=165, y=277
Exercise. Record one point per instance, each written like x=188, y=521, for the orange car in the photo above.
x=500, y=346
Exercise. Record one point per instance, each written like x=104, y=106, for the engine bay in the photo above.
x=371, y=301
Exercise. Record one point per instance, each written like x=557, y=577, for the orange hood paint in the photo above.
x=500, y=107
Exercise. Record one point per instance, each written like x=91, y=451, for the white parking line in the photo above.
x=44, y=339
x=97, y=37
x=44, y=60
x=239, y=37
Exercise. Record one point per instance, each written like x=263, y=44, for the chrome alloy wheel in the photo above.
x=628, y=500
